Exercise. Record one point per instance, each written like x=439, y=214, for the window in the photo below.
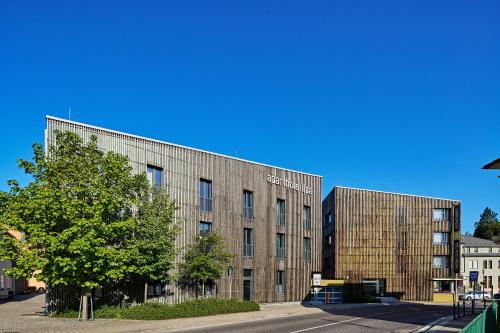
x=247, y=242
x=307, y=217
x=328, y=218
x=307, y=249
x=499, y=267
x=485, y=264
x=442, y=286
x=328, y=240
x=280, y=246
x=441, y=262
x=467, y=249
x=248, y=205
x=490, y=264
x=475, y=250
x=490, y=250
x=442, y=238
x=471, y=264
x=205, y=195
x=154, y=176
x=205, y=228
x=490, y=282
x=280, y=282
x=441, y=214
x=475, y=264
x=281, y=212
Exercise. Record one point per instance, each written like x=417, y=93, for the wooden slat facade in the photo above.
x=182, y=169
x=380, y=235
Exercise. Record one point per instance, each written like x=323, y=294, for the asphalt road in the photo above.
x=404, y=317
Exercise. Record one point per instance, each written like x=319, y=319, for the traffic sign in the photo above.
x=473, y=275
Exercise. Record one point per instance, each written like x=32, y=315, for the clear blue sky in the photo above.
x=390, y=95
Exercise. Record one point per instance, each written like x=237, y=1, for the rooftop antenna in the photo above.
x=69, y=113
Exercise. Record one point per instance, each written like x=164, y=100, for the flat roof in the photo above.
x=409, y=195
x=492, y=165
x=173, y=144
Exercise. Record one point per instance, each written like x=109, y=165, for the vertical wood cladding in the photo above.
x=182, y=169
x=379, y=235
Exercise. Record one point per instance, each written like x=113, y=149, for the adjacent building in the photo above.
x=392, y=244
x=270, y=217
x=483, y=256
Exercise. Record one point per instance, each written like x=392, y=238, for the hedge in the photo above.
x=156, y=311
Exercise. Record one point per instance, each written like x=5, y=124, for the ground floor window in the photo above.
x=280, y=282
x=374, y=287
x=442, y=286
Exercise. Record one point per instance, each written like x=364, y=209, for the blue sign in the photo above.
x=473, y=275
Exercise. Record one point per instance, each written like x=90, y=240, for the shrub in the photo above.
x=156, y=311
x=362, y=299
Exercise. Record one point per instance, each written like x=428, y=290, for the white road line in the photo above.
x=431, y=324
x=341, y=322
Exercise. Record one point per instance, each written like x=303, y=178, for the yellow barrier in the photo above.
x=442, y=297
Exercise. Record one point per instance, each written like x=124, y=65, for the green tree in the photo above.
x=76, y=215
x=153, y=248
x=487, y=224
x=205, y=261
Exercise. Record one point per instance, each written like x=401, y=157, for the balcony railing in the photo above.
x=280, y=253
x=248, y=213
x=248, y=250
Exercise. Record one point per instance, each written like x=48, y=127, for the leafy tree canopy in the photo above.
x=205, y=260
x=153, y=248
x=77, y=215
x=488, y=225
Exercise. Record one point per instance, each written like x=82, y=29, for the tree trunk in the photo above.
x=85, y=304
x=145, y=292
x=203, y=289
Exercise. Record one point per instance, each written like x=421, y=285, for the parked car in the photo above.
x=475, y=295
x=496, y=296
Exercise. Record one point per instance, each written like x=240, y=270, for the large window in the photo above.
x=281, y=211
x=205, y=228
x=441, y=214
x=205, y=195
x=280, y=246
x=307, y=217
x=154, y=175
x=307, y=249
x=248, y=205
x=328, y=218
x=280, y=282
x=442, y=238
x=442, y=287
x=441, y=262
x=247, y=242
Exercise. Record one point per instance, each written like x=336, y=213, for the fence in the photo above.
x=485, y=322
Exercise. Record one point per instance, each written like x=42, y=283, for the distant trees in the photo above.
x=488, y=225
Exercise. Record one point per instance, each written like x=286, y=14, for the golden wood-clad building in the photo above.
x=270, y=217
x=391, y=244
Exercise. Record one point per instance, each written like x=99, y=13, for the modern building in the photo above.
x=270, y=217
x=391, y=244
x=483, y=256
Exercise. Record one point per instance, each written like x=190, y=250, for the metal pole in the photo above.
x=473, y=296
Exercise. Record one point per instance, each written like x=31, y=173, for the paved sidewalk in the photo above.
x=21, y=316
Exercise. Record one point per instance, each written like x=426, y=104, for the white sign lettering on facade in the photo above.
x=289, y=184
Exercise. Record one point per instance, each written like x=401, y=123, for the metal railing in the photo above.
x=248, y=213
x=485, y=322
x=280, y=253
x=248, y=250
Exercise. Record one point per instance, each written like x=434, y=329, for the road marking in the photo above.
x=341, y=322
x=431, y=324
